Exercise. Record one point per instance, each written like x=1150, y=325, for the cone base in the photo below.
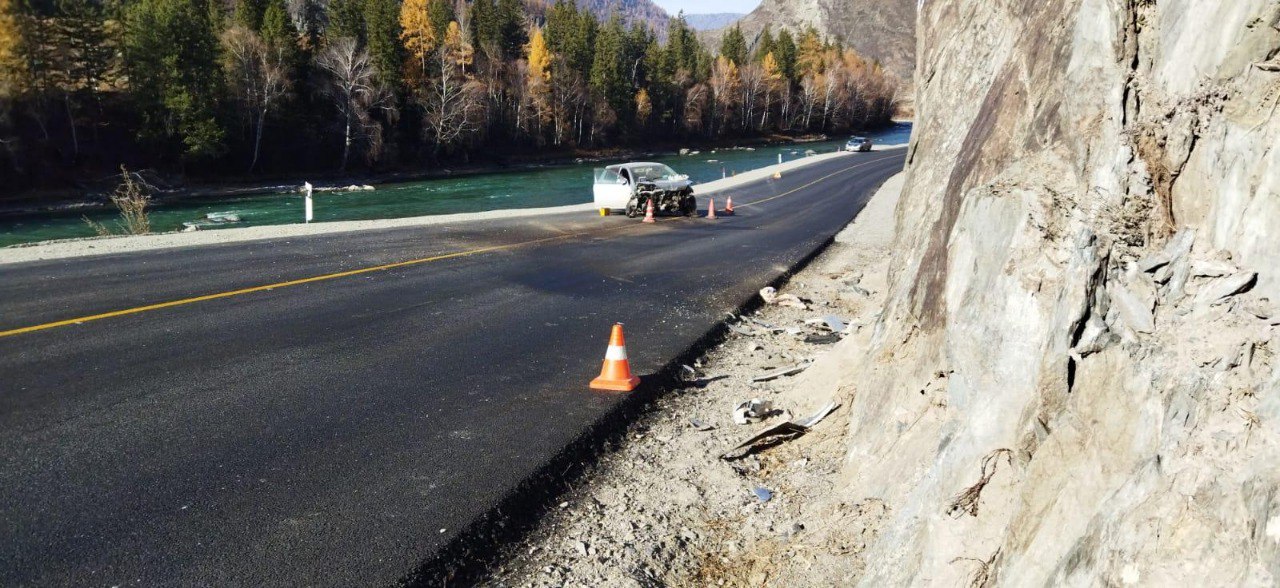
x=615, y=385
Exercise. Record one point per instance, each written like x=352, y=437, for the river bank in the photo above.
x=526, y=187
x=170, y=188
x=82, y=247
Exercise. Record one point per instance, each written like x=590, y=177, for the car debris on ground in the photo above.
x=770, y=295
x=779, y=373
x=779, y=434
x=752, y=411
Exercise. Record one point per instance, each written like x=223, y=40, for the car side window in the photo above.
x=624, y=177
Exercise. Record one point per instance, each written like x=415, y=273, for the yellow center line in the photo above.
x=266, y=287
x=365, y=270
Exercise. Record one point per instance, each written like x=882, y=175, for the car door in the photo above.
x=612, y=191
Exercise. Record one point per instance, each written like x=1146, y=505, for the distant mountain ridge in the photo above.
x=707, y=22
x=631, y=11
x=884, y=30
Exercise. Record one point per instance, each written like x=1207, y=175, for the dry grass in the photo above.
x=131, y=199
x=981, y=575
x=98, y=228
x=968, y=501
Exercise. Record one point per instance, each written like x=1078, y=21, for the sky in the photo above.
x=707, y=6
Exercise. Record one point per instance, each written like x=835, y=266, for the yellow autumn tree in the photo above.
x=810, y=53
x=10, y=47
x=770, y=83
x=418, y=34
x=538, y=57
x=724, y=83
x=644, y=106
x=457, y=49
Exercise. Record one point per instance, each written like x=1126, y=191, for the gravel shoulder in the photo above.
x=664, y=508
x=124, y=244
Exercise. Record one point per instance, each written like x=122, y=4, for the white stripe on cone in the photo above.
x=616, y=353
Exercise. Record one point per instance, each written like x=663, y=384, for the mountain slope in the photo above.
x=709, y=22
x=631, y=11
x=880, y=29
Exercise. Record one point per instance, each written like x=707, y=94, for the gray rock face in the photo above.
x=1217, y=291
x=1077, y=167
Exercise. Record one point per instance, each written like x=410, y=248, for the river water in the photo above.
x=529, y=187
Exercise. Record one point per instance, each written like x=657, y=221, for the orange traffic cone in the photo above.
x=711, y=209
x=616, y=375
x=648, y=215
x=728, y=206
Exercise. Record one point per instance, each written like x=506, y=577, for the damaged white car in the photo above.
x=629, y=187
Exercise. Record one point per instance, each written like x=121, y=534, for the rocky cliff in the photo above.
x=1075, y=380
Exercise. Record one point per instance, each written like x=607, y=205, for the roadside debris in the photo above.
x=700, y=425
x=762, y=493
x=770, y=295
x=827, y=339
x=780, y=372
x=752, y=411
x=779, y=434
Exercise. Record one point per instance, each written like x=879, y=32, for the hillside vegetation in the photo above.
x=273, y=86
x=880, y=30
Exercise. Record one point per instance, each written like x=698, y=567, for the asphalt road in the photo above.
x=341, y=431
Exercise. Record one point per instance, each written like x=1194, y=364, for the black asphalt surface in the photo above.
x=341, y=432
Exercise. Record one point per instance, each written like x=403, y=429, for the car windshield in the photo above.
x=649, y=173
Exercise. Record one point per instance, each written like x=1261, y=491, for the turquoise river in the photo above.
x=526, y=187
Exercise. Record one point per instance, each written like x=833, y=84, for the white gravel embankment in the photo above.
x=130, y=243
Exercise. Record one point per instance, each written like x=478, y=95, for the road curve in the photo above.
x=331, y=410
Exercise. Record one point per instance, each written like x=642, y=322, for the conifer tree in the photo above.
x=171, y=57
x=386, y=54
x=785, y=52
x=734, y=46
x=765, y=45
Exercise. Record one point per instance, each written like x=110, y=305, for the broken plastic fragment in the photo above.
x=825, y=339
x=770, y=295
x=751, y=411
x=817, y=417
x=778, y=373
x=762, y=493
x=778, y=434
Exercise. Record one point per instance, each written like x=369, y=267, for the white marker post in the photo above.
x=307, y=205
x=779, y=159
